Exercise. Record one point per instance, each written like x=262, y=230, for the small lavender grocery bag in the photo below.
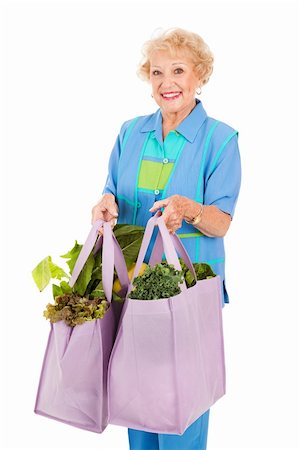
x=73, y=381
x=167, y=364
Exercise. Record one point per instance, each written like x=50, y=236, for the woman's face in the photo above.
x=173, y=81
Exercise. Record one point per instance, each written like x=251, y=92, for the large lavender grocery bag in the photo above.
x=73, y=381
x=167, y=364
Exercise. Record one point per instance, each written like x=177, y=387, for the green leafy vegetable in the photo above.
x=46, y=270
x=64, y=288
x=72, y=256
x=203, y=271
x=129, y=238
x=75, y=310
x=88, y=286
x=158, y=281
x=162, y=280
x=56, y=272
x=56, y=290
x=98, y=291
x=85, y=276
x=86, y=300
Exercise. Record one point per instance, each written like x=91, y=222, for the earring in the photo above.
x=152, y=96
x=198, y=93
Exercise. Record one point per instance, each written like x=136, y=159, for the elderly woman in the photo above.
x=183, y=161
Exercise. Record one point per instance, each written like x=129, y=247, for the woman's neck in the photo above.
x=171, y=120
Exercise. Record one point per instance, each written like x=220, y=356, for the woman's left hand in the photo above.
x=174, y=213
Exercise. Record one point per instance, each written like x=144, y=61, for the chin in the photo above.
x=172, y=108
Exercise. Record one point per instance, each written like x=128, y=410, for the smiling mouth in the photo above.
x=171, y=95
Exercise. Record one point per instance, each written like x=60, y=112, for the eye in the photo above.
x=156, y=72
x=178, y=70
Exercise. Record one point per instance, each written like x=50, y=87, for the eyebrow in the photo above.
x=173, y=64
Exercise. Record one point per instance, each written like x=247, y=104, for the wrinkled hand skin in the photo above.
x=106, y=209
x=174, y=212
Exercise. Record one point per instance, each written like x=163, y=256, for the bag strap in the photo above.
x=167, y=245
x=157, y=252
x=112, y=256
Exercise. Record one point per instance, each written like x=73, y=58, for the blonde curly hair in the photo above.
x=174, y=40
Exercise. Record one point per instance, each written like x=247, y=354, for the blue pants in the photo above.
x=194, y=438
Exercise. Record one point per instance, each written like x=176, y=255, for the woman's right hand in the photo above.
x=106, y=209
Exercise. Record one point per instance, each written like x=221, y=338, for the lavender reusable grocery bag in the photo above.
x=167, y=364
x=73, y=381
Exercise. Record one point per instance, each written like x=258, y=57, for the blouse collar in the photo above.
x=188, y=128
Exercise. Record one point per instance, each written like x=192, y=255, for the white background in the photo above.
x=67, y=84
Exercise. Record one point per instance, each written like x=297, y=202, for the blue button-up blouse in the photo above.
x=206, y=168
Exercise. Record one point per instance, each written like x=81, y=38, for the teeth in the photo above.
x=171, y=95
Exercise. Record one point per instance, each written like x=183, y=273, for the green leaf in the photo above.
x=131, y=250
x=116, y=298
x=75, y=310
x=72, y=256
x=97, y=293
x=46, y=270
x=42, y=274
x=123, y=229
x=96, y=275
x=158, y=281
x=129, y=238
x=65, y=287
x=98, y=259
x=85, y=276
x=56, y=290
x=56, y=271
x=203, y=271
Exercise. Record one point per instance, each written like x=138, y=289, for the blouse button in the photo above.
x=157, y=191
x=138, y=204
x=165, y=160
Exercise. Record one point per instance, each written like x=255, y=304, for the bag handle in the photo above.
x=85, y=251
x=112, y=256
x=157, y=252
x=168, y=247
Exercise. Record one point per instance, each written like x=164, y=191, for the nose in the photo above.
x=168, y=84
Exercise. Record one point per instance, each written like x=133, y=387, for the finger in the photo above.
x=158, y=204
x=94, y=219
x=101, y=230
x=166, y=218
x=155, y=208
x=113, y=212
x=97, y=214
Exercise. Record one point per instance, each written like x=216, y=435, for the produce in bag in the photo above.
x=162, y=280
x=86, y=301
x=73, y=382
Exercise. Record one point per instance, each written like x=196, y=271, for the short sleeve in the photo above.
x=222, y=184
x=111, y=180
